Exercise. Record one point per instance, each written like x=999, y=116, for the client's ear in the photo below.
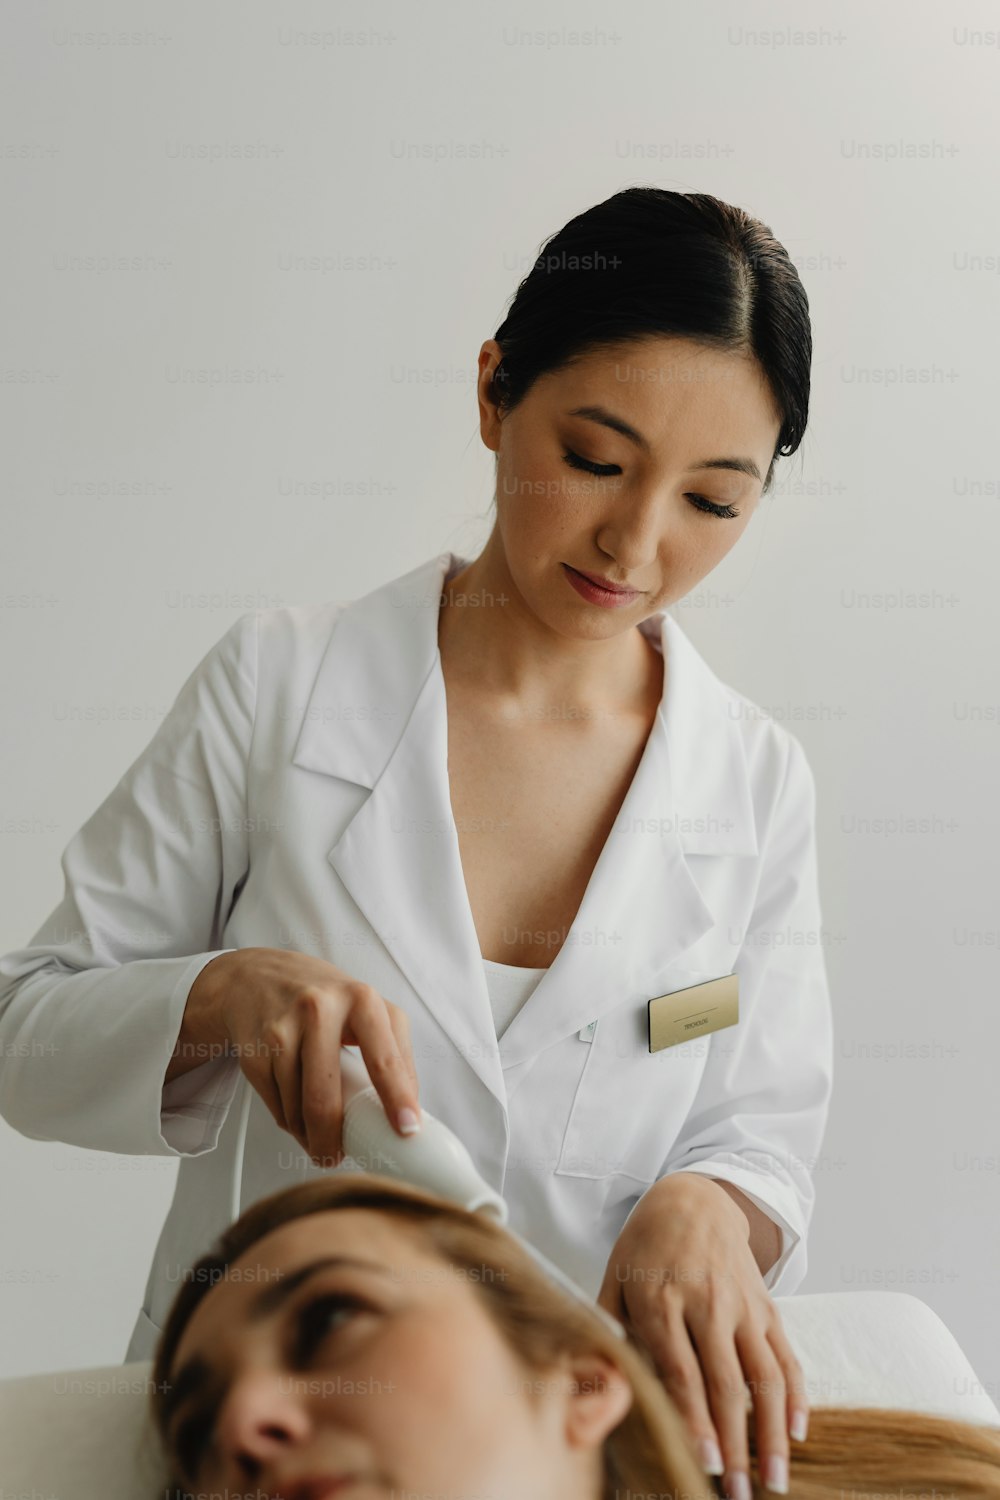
x=598, y=1397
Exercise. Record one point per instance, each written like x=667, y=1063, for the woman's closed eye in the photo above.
x=604, y=471
x=576, y=462
x=313, y=1324
x=311, y=1327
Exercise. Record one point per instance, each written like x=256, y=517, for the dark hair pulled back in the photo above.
x=650, y=262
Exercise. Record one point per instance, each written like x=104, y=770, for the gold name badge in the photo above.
x=694, y=1011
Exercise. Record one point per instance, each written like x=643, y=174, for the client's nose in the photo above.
x=264, y=1413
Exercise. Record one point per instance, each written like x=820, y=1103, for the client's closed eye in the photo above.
x=316, y=1318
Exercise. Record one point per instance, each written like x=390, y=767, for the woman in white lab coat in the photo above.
x=487, y=823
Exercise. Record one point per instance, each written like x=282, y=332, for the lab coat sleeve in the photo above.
x=91, y=1009
x=760, y=1114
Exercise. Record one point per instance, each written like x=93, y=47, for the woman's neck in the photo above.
x=491, y=641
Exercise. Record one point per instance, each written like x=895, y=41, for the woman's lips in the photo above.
x=318, y=1487
x=596, y=594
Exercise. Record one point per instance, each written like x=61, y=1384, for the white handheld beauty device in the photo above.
x=433, y=1158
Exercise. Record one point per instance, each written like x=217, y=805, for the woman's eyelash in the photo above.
x=604, y=470
x=310, y=1329
x=700, y=503
x=576, y=462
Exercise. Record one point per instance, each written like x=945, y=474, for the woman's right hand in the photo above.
x=286, y=1016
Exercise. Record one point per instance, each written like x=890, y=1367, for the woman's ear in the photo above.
x=598, y=1397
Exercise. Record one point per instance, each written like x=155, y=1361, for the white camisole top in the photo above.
x=509, y=986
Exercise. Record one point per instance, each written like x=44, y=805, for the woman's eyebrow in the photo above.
x=272, y=1296
x=608, y=419
x=196, y=1373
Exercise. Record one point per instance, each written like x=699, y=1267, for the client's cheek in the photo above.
x=449, y=1406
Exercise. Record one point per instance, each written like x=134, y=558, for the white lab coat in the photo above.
x=296, y=796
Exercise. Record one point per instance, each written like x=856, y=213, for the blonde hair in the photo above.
x=849, y=1454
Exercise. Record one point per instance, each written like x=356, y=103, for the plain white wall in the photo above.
x=443, y=147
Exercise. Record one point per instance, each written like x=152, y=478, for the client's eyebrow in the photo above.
x=196, y=1373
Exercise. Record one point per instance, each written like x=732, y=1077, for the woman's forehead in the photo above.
x=359, y=1233
x=335, y=1228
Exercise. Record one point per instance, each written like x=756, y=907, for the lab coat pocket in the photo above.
x=630, y=1103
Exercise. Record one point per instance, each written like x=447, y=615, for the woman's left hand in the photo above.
x=682, y=1277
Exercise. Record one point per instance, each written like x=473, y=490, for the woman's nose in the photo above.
x=264, y=1413
x=632, y=535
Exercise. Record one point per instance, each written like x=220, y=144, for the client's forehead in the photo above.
x=358, y=1233
x=334, y=1230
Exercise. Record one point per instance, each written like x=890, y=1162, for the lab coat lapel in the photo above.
x=377, y=716
x=643, y=909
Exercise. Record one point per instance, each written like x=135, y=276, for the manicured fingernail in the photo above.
x=738, y=1485
x=409, y=1121
x=800, y=1425
x=711, y=1458
x=776, y=1474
